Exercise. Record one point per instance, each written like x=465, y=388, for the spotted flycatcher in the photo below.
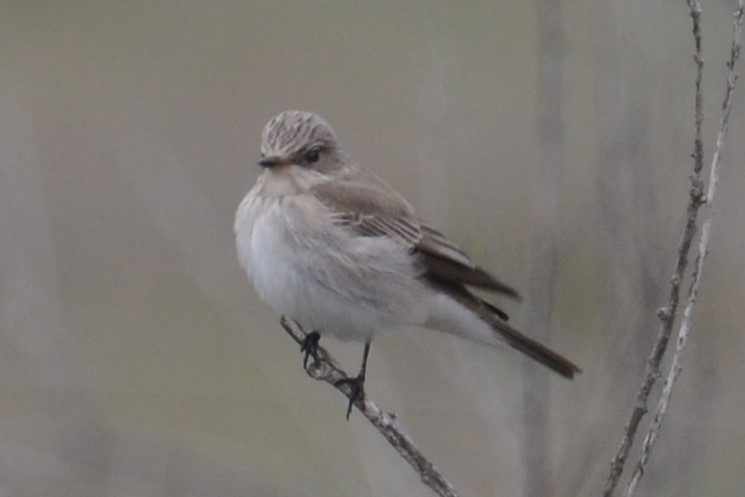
x=332, y=246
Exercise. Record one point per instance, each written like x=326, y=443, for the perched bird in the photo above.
x=332, y=246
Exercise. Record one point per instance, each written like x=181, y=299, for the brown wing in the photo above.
x=363, y=203
x=401, y=229
x=367, y=206
x=445, y=260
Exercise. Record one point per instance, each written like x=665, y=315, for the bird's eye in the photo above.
x=312, y=155
x=262, y=155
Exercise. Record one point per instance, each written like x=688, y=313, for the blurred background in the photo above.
x=551, y=139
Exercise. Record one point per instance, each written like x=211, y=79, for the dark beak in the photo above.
x=270, y=161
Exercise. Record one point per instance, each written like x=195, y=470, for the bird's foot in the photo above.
x=357, y=387
x=310, y=347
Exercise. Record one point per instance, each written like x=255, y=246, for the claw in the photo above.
x=310, y=347
x=356, y=385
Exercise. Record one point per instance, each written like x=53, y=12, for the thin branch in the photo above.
x=686, y=324
x=698, y=144
x=667, y=313
x=325, y=368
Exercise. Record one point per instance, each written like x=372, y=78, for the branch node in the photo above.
x=697, y=190
x=664, y=313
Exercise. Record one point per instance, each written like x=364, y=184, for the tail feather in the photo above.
x=497, y=330
x=535, y=350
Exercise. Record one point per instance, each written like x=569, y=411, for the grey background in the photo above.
x=135, y=359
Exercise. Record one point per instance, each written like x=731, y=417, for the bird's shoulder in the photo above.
x=356, y=190
x=363, y=203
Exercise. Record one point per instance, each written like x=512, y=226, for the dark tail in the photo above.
x=506, y=333
x=535, y=350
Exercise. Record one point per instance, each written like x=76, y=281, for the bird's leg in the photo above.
x=310, y=347
x=357, y=383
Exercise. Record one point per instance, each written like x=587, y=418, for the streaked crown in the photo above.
x=292, y=131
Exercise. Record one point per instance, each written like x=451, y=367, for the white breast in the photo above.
x=319, y=274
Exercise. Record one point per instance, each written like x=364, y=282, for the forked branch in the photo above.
x=686, y=324
x=668, y=313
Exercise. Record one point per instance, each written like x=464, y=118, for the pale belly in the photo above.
x=326, y=279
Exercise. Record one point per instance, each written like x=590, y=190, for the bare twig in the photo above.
x=325, y=368
x=667, y=313
x=686, y=323
x=698, y=144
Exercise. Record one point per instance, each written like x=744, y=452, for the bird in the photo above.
x=333, y=246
